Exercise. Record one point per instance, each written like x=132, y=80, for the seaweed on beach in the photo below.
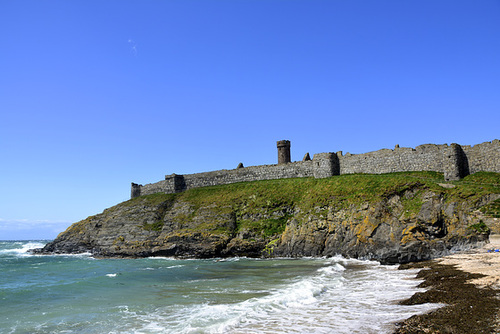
x=468, y=309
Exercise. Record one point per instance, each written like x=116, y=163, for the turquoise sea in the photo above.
x=80, y=294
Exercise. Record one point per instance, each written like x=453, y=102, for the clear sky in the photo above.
x=97, y=94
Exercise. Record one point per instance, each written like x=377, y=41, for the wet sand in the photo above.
x=468, y=284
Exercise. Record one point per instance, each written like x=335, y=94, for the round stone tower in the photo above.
x=284, y=151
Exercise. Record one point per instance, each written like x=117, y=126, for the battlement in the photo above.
x=455, y=161
x=283, y=143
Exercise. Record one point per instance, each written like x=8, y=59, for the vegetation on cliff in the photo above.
x=394, y=217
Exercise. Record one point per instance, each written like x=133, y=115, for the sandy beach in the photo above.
x=485, y=261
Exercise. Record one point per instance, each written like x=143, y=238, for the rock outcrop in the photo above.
x=392, y=218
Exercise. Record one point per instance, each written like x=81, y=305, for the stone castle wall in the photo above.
x=401, y=159
x=454, y=161
x=177, y=183
x=483, y=157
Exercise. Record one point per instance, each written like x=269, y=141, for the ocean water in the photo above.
x=80, y=294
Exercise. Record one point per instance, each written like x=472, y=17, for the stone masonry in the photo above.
x=455, y=161
x=284, y=152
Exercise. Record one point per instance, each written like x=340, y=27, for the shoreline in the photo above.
x=467, y=283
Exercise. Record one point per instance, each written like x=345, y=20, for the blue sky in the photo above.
x=97, y=94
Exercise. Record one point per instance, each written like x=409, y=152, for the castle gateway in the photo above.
x=455, y=161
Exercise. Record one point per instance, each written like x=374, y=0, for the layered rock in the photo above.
x=385, y=231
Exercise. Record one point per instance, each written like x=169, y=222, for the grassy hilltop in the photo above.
x=339, y=192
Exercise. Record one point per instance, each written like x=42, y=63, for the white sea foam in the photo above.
x=334, y=300
x=22, y=248
x=162, y=258
x=231, y=259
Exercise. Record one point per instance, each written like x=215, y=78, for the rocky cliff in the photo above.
x=392, y=218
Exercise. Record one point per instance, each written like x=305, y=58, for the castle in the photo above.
x=455, y=161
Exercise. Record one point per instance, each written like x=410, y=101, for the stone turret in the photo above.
x=176, y=182
x=325, y=165
x=136, y=190
x=284, y=152
x=455, y=163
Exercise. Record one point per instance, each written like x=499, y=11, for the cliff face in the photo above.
x=392, y=218
x=385, y=231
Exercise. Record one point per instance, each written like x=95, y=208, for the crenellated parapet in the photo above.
x=455, y=161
